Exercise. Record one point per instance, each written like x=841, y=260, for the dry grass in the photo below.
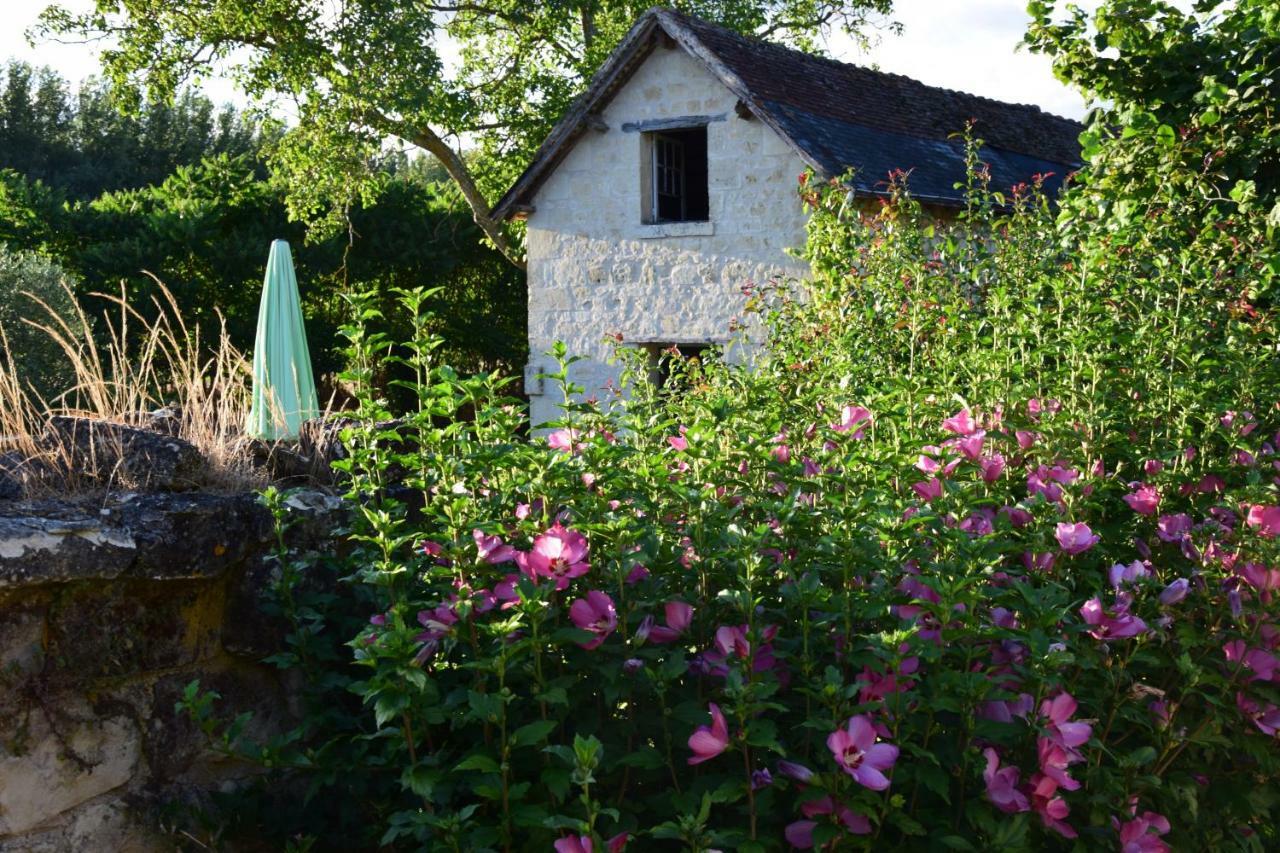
x=131, y=367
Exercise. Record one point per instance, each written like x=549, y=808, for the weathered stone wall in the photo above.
x=595, y=268
x=107, y=610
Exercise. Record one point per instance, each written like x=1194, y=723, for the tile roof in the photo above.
x=835, y=115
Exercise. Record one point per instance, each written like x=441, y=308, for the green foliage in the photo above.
x=182, y=193
x=203, y=230
x=31, y=214
x=997, y=492
x=371, y=69
x=26, y=281
x=867, y=523
x=1183, y=152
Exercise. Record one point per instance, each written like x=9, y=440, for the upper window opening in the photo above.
x=676, y=185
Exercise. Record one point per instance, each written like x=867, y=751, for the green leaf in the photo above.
x=388, y=705
x=478, y=761
x=935, y=779
x=1139, y=757
x=421, y=780
x=533, y=732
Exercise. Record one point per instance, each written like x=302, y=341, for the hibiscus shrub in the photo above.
x=978, y=554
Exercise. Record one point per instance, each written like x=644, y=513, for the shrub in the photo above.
x=977, y=555
x=27, y=279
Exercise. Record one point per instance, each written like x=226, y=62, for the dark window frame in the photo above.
x=676, y=172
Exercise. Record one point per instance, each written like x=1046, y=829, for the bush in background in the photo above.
x=181, y=191
x=26, y=281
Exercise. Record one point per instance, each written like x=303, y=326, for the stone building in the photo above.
x=672, y=181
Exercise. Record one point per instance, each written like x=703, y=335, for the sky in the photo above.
x=969, y=45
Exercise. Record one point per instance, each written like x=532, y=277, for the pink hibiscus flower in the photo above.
x=679, y=616
x=1076, y=538
x=1144, y=499
x=1142, y=834
x=1002, y=785
x=856, y=751
x=596, y=614
x=492, y=549
x=1053, y=810
x=1173, y=528
x=1057, y=713
x=991, y=467
x=560, y=554
x=800, y=833
x=563, y=440
x=1115, y=624
x=961, y=423
x=1266, y=519
x=970, y=446
x=928, y=490
x=850, y=417
x=708, y=742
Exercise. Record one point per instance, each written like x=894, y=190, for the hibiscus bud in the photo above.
x=1174, y=592
x=796, y=772
x=632, y=665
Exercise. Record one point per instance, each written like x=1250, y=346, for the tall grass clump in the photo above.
x=120, y=369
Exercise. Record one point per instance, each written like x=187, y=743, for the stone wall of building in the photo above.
x=108, y=609
x=596, y=269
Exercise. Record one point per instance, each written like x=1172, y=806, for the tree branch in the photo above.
x=428, y=140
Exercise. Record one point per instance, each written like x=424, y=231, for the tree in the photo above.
x=364, y=70
x=32, y=215
x=1183, y=150
x=83, y=146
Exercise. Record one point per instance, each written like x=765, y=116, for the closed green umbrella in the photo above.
x=284, y=390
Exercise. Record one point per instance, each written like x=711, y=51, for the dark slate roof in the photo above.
x=836, y=116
